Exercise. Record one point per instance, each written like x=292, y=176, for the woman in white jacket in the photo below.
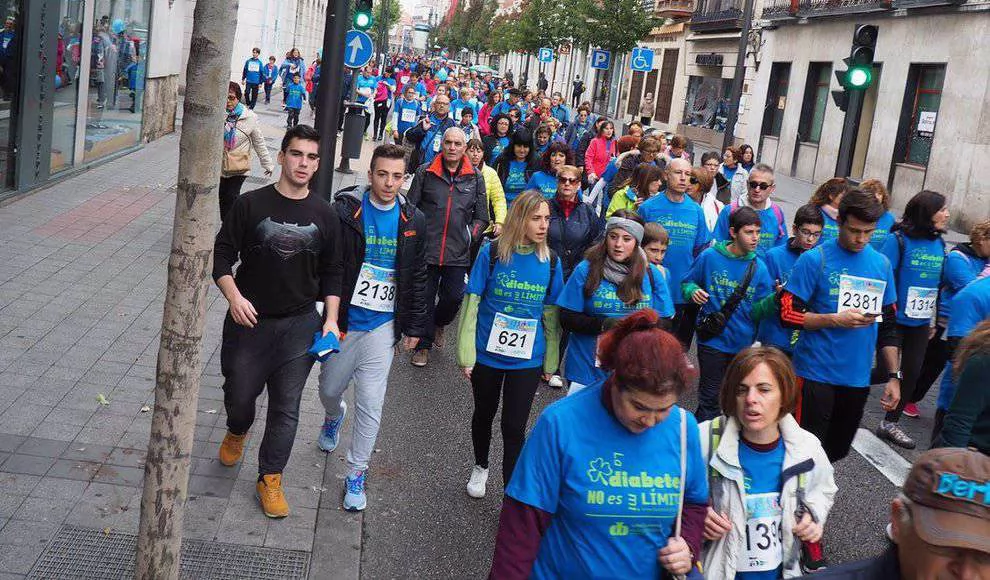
x=771, y=483
x=241, y=134
x=732, y=170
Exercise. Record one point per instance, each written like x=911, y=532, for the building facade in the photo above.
x=74, y=83
x=926, y=117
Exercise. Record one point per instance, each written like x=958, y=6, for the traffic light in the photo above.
x=363, y=19
x=859, y=72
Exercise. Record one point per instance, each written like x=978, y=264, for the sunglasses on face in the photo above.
x=569, y=180
x=760, y=185
x=694, y=181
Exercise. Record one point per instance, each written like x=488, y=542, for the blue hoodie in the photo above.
x=252, y=71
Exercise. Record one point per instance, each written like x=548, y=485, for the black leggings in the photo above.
x=381, y=118
x=832, y=413
x=230, y=188
x=936, y=355
x=914, y=341
x=519, y=387
x=685, y=319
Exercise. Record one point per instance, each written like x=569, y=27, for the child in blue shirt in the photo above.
x=269, y=74
x=295, y=96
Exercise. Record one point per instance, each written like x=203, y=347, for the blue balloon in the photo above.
x=118, y=26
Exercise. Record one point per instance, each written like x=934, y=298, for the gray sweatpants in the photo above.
x=365, y=356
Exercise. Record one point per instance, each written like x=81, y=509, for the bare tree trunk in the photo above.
x=166, y=473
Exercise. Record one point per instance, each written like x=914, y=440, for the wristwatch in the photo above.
x=898, y=375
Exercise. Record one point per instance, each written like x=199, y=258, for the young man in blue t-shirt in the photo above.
x=712, y=281
x=841, y=295
x=252, y=76
x=383, y=302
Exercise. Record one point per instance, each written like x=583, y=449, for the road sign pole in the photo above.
x=328, y=95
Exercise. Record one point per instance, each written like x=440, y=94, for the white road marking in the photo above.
x=880, y=455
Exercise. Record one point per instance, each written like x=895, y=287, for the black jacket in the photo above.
x=456, y=210
x=570, y=237
x=411, y=313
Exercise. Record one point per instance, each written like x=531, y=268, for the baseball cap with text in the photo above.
x=950, y=488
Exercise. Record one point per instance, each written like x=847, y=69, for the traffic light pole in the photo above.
x=328, y=102
x=850, y=131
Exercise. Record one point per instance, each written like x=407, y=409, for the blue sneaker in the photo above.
x=330, y=432
x=354, y=498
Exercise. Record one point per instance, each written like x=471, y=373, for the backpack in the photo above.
x=493, y=259
x=777, y=212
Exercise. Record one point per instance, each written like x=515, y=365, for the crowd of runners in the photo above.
x=549, y=246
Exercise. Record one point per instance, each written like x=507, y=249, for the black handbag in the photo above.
x=713, y=324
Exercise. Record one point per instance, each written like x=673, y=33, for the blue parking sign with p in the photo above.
x=545, y=55
x=601, y=59
x=642, y=59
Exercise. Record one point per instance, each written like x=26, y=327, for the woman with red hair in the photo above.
x=607, y=472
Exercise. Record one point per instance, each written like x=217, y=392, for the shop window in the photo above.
x=707, y=103
x=117, y=57
x=11, y=46
x=665, y=91
x=922, y=98
x=67, y=65
x=816, y=95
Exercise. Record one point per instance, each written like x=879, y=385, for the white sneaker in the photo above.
x=478, y=483
x=556, y=382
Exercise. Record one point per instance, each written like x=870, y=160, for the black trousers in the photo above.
x=381, y=118
x=575, y=100
x=446, y=283
x=832, y=413
x=271, y=354
x=914, y=342
x=230, y=188
x=517, y=388
x=685, y=319
x=268, y=93
x=936, y=355
x=293, y=118
x=251, y=95
x=712, y=365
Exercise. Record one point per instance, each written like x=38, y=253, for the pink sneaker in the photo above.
x=911, y=410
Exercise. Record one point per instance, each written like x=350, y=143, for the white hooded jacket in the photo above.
x=803, y=454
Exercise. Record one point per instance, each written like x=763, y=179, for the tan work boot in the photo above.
x=420, y=358
x=271, y=496
x=232, y=448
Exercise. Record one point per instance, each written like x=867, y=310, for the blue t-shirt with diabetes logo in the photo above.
x=720, y=275
x=772, y=232
x=509, y=333
x=376, y=282
x=960, y=270
x=917, y=274
x=685, y=223
x=831, y=229
x=970, y=306
x=831, y=279
x=515, y=182
x=545, y=182
x=580, y=364
x=613, y=493
x=761, y=555
x=882, y=232
x=780, y=261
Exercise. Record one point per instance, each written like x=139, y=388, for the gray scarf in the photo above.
x=616, y=272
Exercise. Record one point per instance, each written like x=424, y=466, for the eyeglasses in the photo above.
x=231, y=97
x=809, y=235
x=759, y=185
x=694, y=181
x=569, y=180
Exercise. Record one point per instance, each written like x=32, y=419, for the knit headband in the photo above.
x=631, y=227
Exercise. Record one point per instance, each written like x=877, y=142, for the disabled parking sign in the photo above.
x=641, y=59
x=601, y=59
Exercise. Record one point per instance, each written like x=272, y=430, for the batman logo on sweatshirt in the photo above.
x=288, y=240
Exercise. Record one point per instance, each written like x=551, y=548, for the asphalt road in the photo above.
x=420, y=522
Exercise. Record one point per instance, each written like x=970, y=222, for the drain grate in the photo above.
x=89, y=554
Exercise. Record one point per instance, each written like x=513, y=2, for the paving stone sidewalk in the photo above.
x=82, y=282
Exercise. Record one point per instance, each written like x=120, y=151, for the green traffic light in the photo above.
x=859, y=77
x=362, y=20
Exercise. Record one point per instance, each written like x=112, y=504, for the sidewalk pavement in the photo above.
x=82, y=283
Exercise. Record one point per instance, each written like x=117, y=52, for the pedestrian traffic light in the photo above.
x=362, y=15
x=859, y=72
